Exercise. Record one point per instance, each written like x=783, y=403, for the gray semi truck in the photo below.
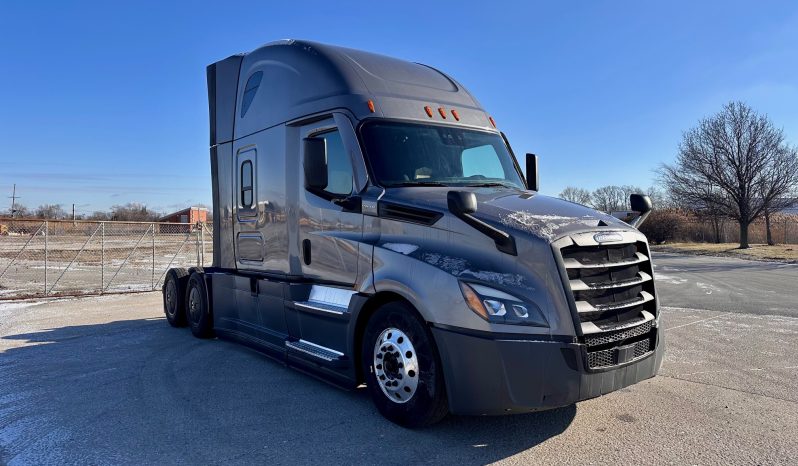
x=372, y=226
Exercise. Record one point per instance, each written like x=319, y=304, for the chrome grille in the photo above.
x=610, y=283
x=613, y=292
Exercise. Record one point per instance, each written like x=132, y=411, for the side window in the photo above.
x=482, y=161
x=246, y=185
x=339, y=166
x=249, y=91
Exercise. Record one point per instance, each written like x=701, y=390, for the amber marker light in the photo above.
x=474, y=301
x=491, y=121
x=428, y=109
x=371, y=105
x=455, y=115
x=442, y=111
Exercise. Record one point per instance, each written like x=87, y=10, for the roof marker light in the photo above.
x=491, y=121
x=371, y=105
x=428, y=109
x=455, y=115
x=442, y=112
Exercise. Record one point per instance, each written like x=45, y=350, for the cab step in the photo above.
x=320, y=354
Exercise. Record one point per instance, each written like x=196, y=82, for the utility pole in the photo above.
x=14, y=198
x=73, y=214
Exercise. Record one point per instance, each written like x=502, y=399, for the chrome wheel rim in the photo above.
x=396, y=365
x=171, y=297
x=194, y=304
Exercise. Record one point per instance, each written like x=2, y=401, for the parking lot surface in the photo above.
x=106, y=380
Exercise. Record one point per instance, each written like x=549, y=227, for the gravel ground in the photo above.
x=106, y=380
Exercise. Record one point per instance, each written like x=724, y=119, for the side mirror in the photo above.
x=532, y=178
x=315, y=162
x=641, y=204
x=462, y=202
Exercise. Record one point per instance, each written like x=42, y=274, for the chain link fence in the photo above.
x=62, y=258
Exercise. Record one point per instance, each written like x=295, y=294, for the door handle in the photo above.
x=306, y=251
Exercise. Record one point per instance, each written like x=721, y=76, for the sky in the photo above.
x=105, y=103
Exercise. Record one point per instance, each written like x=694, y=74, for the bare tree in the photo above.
x=613, y=198
x=574, y=194
x=19, y=211
x=736, y=162
x=133, y=212
x=50, y=211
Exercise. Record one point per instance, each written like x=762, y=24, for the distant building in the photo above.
x=189, y=215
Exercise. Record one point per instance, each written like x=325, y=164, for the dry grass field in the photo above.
x=779, y=252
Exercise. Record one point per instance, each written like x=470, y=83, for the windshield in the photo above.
x=407, y=154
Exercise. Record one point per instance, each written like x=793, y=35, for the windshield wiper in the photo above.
x=492, y=184
x=416, y=183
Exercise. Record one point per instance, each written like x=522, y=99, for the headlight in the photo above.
x=501, y=308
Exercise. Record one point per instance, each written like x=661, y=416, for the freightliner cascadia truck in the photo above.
x=372, y=226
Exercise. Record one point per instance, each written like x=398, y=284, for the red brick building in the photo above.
x=190, y=215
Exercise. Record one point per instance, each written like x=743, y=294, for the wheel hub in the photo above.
x=171, y=295
x=194, y=303
x=396, y=365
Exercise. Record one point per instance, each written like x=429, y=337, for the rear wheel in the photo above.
x=174, y=288
x=402, y=367
x=198, y=308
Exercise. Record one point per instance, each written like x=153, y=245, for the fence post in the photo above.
x=202, y=241
x=102, y=259
x=152, y=280
x=197, y=238
x=46, y=236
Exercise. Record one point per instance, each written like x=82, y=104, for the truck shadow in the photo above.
x=138, y=391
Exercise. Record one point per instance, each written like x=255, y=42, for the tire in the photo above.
x=198, y=308
x=174, y=289
x=410, y=398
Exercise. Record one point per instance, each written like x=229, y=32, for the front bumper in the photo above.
x=497, y=374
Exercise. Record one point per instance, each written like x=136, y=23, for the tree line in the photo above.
x=130, y=212
x=735, y=164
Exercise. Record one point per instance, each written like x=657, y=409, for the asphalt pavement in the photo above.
x=105, y=380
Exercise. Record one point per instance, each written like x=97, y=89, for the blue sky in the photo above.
x=103, y=103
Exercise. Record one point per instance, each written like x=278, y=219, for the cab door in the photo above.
x=329, y=231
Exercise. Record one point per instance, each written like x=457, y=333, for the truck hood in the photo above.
x=514, y=210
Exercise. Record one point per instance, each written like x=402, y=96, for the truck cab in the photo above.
x=372, y=226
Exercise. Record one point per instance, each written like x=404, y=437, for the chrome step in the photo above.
x=316, y=351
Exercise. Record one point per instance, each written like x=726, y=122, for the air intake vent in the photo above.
x=405, y=213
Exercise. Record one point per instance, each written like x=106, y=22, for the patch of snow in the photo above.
x=546, y=226
x=506, y=279
x=16, y=305
x=401, y=248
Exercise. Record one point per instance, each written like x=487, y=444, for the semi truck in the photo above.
x=373, y=227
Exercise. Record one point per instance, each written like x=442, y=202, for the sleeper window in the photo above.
x=249, y=91
x=246, y=185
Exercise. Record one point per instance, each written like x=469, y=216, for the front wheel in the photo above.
x=402, y=367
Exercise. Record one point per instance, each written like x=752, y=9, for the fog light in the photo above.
x=495, y=308
x=520, y=311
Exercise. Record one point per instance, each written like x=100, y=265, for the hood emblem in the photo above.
x=607, y=237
